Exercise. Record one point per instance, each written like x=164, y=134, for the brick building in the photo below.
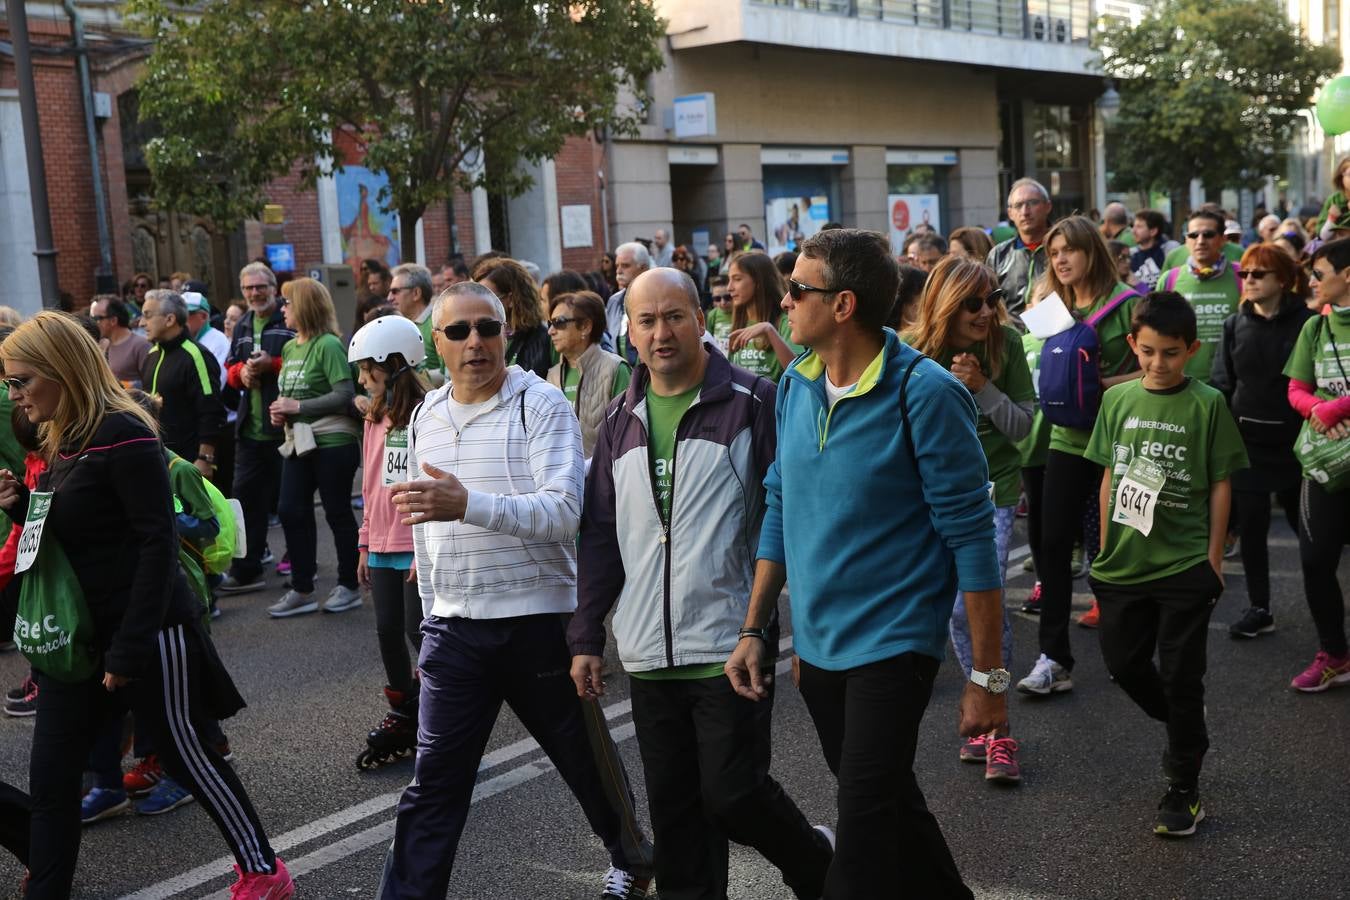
x=160, y=242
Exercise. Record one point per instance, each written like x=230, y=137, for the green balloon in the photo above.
x=1333, y=105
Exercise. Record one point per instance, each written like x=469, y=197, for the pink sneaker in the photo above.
x=973, y=750
x=1325, y=672
x=1001, y=764
x=256, y=886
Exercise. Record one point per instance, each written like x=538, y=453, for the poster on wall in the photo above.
x=367, y=230
x=910, y=212
x=791, y=220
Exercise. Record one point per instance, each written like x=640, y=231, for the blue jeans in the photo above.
x=959, y=627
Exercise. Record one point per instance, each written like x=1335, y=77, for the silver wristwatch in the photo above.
x=995, y=681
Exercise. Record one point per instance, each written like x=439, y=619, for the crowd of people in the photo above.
x=648, y=454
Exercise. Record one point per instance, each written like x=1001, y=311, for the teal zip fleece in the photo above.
x=875, y=550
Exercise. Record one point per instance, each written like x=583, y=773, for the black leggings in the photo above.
x=398, y=621
x=170, y=701
x=1252, y=516
x=1069, y=482
x=1324, y=525
x=1033, y=484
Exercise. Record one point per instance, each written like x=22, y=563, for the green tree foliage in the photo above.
x=1209, y=89
x=244, y=90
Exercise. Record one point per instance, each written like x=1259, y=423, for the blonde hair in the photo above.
x=10, y=317
x=952, y=280
x=312, y=307
x=56, y=346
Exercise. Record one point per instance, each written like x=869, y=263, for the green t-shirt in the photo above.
x=1036, y=445
x=571, y=378
x=432, y=363
x=1190, y=434
x=311, y=370
x=1213, y=299
x=253, y=428
x=663, y=418
x=1178, y=256
x=12, y=456
x=1314, y=359
x=1116, y=359
x=765, y=362
x=719, y=326
x=1005, y=462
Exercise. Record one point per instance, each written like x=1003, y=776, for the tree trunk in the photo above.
x=407, y=235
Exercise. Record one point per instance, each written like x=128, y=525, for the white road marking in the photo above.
x=384, y=831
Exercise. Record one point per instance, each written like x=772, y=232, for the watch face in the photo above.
x=999, y=679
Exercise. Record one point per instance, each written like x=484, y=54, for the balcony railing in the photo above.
x=1050, y=21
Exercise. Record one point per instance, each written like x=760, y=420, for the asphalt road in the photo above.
x=1079, y=826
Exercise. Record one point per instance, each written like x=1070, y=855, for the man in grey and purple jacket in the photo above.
x=680, y=460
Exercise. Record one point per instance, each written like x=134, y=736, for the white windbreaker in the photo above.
x=514, y=553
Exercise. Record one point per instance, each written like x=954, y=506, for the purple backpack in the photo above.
x=1070, y=375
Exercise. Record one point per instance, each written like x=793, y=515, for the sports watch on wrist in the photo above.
x=995, y=681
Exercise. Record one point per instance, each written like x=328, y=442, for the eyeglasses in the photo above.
x=796, y=289
x=1026, y=204
x=246, y=288
x=459, y=331
x=559, y=323
x=976, y=303
x=1207, y=235
x=1318, y=274
x=398, y=289
x=143, y=284
x=679, y=257
x=19, y=384
x=721, y=298
x=1254, y=274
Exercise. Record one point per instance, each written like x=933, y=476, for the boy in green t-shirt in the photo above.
x=719, y=317
x=1169, y=444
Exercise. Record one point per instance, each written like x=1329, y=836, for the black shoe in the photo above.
x=1255, y=621
x=1179, y=812
x=233, y=584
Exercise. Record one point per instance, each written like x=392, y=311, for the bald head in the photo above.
x=662, y=283
x=1116, y=214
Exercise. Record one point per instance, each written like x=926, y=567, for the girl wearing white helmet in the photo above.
x=387, y=351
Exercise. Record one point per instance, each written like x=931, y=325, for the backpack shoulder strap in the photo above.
x=1171, y=280
x=1111, y=306
x=904, y=408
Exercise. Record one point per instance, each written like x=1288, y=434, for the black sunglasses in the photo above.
x=459, y=331
x=559, y=323
x=1256, y=274
x=1318, y=274
x=19, y=384
x=796, y=289
x=974, y=304
x=1207, y=235
x=721, y=298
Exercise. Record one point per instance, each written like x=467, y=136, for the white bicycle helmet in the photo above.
x=385, y=335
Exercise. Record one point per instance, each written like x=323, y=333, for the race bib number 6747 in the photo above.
x=1137, y=495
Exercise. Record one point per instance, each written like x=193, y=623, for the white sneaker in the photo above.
x=341, y=599
x=1046, y=677
x=293, y=603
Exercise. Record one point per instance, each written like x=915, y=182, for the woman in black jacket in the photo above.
x=111, y=511
x=527, y=342
x=1249, y=370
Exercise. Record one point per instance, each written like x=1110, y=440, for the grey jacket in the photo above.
x=1017, y=269
x=681, y=591
x=597, y=367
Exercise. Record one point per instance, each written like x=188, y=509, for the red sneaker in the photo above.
x=259, y=886
x=143, y=777
x=1091, y=618
x=1001, y=764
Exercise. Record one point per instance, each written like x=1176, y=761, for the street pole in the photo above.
x=32, y=142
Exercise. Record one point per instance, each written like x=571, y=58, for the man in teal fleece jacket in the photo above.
x=875, y=526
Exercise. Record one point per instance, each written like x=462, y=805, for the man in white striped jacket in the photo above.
x=495, y=514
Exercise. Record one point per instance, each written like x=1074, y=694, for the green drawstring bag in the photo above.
x=53, y=628
x=1324, y=461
